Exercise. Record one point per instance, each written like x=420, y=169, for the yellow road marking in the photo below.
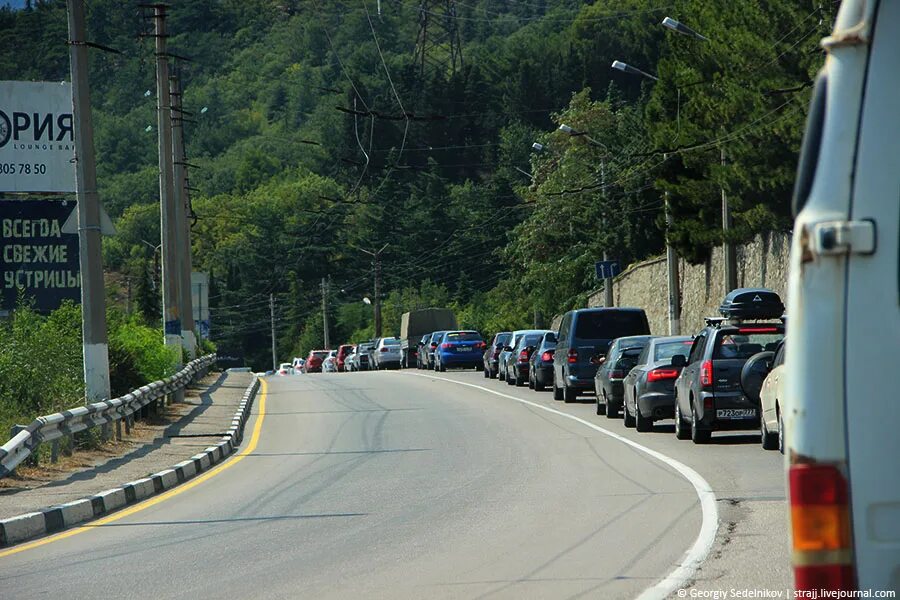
x=254, y=440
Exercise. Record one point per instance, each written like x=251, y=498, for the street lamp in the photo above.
x=575, y=133
x=681, y=28
x=626, y=68
x=671, y=256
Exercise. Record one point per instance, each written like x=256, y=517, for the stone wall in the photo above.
x=760, y=263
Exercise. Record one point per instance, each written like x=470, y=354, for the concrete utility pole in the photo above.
x=168, y=223
x=182, y=226
x=608, y=282
x=377, y=300
x=325, y=313
x=95, y=345
x=272, y=318
x=727, y=247
x=672, y=267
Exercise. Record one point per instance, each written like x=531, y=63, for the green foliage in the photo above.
x=291, y=190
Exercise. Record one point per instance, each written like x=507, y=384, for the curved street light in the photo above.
x=681, y=28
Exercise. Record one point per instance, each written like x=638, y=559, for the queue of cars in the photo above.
x=717, y=380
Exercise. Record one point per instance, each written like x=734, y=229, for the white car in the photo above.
x=285, y=369
x=329, y=365
x=841, y=366
x=771, y=425
x=386, y=354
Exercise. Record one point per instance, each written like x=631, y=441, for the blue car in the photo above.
x=459, y=349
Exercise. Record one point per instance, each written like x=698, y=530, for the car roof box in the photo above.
x=752, y=303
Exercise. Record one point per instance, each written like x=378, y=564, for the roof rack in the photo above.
x=714, y=321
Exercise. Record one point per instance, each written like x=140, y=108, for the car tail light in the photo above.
x=496, y=352
x=434, y=344
x=384, y=349
x=547, y=356
x=573, y=355
x=523, y=356
x=662, y=374
x=706, y=373
x=617, y=374
x=446, y=345
x=820, y=526
x=481, y=345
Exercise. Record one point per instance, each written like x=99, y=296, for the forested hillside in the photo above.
x=316, y=134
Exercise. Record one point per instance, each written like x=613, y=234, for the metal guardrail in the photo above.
x=68, y=422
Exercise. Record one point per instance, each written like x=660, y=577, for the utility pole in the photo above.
x=272, y=318
x=672, y=268
x=182, y=227
x=608, y=282
x=727, y=247
x=377, y=300
x=168, y=222
x=95, y=345
x=325, y=313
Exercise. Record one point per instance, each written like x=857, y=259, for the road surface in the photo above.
x=398, y=485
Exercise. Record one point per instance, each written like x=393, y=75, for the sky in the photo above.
x=13, y=3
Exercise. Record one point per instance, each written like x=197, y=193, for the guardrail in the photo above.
x=26, y=439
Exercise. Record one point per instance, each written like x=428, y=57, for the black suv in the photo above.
x=708, y=393
x=584, y=335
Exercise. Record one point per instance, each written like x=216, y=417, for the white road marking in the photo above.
x=698, y=552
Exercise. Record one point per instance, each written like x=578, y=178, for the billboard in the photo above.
x=37, y=141
x=37, y=258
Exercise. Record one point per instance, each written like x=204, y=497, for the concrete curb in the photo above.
x=16, y=530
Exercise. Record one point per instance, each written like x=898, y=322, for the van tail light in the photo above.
x=573, y=355
x=446, y=345
x=547, y=357
x=820, y=527
x=384, y=349
x=706, y=374
x=523, y=356
x=662, y=374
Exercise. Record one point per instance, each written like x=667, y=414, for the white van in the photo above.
x=842, y=365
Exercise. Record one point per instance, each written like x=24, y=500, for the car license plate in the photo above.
x=735, y=413
x=464, y=349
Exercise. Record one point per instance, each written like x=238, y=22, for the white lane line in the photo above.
x=697, y=553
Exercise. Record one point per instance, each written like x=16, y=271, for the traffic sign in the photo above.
x=607, y=269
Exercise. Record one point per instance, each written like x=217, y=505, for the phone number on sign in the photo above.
x=23, y=169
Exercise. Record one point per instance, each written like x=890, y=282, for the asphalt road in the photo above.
x=393, y=485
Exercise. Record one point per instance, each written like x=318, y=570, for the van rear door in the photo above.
x=873, y=318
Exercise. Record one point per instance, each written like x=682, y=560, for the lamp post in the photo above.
x=607, y=282
x=674, y=291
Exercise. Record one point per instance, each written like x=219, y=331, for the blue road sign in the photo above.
x=607, y=269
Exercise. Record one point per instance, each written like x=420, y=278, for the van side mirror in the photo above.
x=679, y=360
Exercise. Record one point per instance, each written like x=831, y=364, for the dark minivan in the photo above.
x=585, y=334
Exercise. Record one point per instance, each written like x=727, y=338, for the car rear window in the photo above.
x=530, y=340
x=502, y=339
x=320, y=354
x=744, y=344
x=463, y=336
x=670, y=349
x=391, y=342
x=610, y=324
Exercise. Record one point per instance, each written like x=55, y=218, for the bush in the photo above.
x=137, y=355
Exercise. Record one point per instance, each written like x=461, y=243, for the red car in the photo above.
x=342, y=354
x=314, y=361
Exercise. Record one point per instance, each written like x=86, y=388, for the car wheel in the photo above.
x=769, y=440
x=487, y=373
x=500, y=374
x=626, y=414
x=519, y=381
x=557, y=393
x=569, y=395
x=509, y=380
x=538, y=386
x=681, y=429
x=780, y=431
x=611, y=411
x=641, y=423
x=530, y=381
x=698, y=436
